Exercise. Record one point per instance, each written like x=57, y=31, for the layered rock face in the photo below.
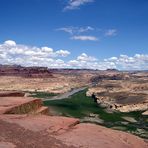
x=22, y=105
x=27, y=72
x=123, y=95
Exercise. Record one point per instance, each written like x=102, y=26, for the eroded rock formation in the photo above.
x=123, y=95
x=27, y=72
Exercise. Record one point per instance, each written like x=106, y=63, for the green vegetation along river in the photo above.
x=80, y=106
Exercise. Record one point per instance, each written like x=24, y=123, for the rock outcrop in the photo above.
x=22, y=105
x=23, y=126
x=122, y=95
x=27, y=72
x=11, y=94
x=58, y=132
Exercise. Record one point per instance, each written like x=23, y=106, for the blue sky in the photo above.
x=91, y=33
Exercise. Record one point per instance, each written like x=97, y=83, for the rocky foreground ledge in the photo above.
x=42, y=131
x=23, y=125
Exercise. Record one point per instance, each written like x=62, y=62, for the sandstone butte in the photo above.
x=24, y=123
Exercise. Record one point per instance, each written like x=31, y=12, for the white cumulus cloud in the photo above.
x=89, y=62
x=124, y=62
x=10, y=43
x=63, y=53
x=13, y=53
x=85, y=57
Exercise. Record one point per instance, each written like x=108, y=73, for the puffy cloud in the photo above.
x=75, y=4
x=111, y=32
x=47, y=49
x=63, y=53
x=91, y=65
x=124, y=62
x=84, y=38
x=10, y=43
x=89, y=62
x=113, y=58
x=12, y=53
x=85, y=57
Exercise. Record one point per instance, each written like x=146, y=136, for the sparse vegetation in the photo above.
x=42, y=94
x=80, y=106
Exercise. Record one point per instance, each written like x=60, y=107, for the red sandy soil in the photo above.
x=14, y=136
x=40, y=131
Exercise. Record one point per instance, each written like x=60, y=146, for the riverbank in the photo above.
x=122, y=95
x=64, y=95
x=83, y=107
